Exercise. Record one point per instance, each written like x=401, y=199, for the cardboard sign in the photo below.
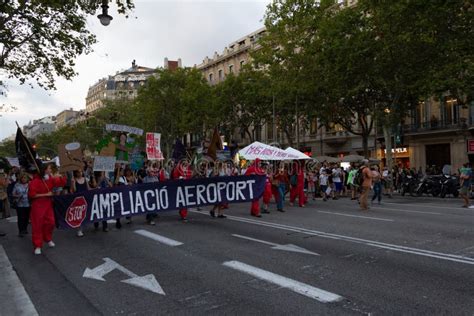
x=153, y=146
x=70, y=157
x=103, y=163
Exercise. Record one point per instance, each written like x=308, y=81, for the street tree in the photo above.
x=175, y=103
x=244, y=102
x=283, y=53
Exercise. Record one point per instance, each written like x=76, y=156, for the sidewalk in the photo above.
x=15, y=300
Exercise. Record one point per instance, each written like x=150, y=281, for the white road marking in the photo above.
x=405, y=211
x=147, y=282
x=426, y=205
x=12, y=219
x=293, y=285
x=288, y=247
x=158, y=238
x=365, y=217
x=367, y=242
x=12, y=292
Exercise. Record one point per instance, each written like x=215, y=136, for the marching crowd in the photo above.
x=30, y=193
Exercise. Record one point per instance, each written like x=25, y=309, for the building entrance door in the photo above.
x=438, y=155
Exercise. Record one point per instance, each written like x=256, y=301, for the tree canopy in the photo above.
x=40, y=40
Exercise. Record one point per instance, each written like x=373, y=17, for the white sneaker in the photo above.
x=37, y=251
x=51, y=244
x=152, y=223
x=80, y=233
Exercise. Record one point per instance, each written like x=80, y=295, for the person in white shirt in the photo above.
x=323, y=184
x=337, y=180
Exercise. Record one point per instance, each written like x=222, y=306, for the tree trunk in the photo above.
x=388, y=147
x=288, y=137
x=365, y=144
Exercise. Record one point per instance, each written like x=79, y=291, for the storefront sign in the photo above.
x=470, y=145
x=398, y=150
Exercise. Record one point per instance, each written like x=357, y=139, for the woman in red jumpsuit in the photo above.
x=298, y=190
x=40, y=192
x=255, y=169
x=182, y=172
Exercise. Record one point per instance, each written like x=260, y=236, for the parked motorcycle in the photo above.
x=449, y=185
x=429, y=185
x=409, y=185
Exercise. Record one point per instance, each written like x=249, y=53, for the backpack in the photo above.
x=359, y=177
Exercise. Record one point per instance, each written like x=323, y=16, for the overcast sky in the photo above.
x=186, y=29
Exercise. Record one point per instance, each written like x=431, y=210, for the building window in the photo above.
x=313, y=130
x=210, y=77
x=220, y=74
x=231, y=69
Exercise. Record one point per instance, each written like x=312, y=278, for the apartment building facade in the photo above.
x=439, y=132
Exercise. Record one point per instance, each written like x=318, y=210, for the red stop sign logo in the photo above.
x=76, y=212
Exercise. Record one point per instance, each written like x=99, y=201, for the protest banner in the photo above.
x=70, y=157
x=74, y=210
x=153, y=146
x=104, y=163
x=124, y=129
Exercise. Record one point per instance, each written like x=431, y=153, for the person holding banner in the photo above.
x=99, y=180
x=255, y=169
x=40, y=192
x=182, y=171
x=79, y=184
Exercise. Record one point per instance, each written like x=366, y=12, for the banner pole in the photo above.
x=34, y=159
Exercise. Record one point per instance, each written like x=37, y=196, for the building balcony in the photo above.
x=434, y=126
x=336, y=138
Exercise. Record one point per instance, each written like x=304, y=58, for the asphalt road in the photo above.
x=407, y=256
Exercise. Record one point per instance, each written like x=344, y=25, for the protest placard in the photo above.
x=124, y=129
x=153, y=146
x=104, y=163
x=13, y=161
x=70, y=157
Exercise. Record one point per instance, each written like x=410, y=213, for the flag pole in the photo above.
x=34, y=159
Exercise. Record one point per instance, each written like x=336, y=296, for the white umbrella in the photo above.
x=352, y=158
x=298, y=153
x=265, y=152
x=326, y=158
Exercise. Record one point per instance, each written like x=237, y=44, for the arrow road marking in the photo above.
x=296, y=286
x=99, y=272
x=158, y=238
x=147, y=282
x=288, y=247
x=367, y=242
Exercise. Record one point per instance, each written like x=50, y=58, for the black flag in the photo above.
x=24, y=151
